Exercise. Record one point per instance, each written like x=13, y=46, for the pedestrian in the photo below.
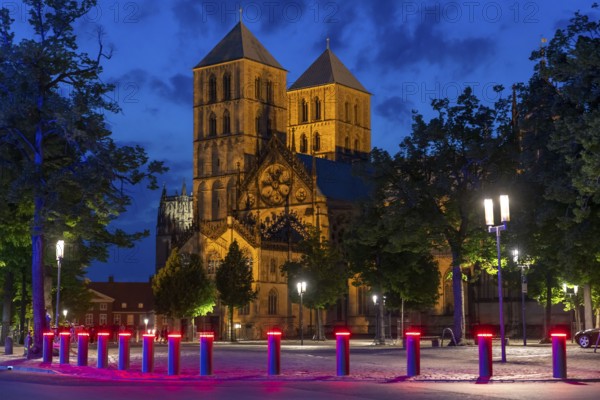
x=27, y=345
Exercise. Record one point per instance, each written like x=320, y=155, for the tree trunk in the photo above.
x=548, y=319
x=24, y=302
x=320, y=334
x=7, y=305
x=457, y=288
x=588, y=311
x=230, y=318
x=381, y=322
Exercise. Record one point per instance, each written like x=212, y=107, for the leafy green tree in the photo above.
x=72, y=175
x=445, y=168
x=181, y=288
x=325, y=274
x=234, y=282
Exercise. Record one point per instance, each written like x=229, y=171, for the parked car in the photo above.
x=587, y=338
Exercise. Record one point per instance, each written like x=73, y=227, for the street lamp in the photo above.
x=65, y=315
x=523, y=292
x=60, y=252
x=489, y=221
x=379, y=329
x=146, y=325
x=301, y=286
x=571, y=292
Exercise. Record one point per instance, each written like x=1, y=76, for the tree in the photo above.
x=181, y=288
x=325, y=274
x=446, y=167
x=234, y=282
x=72, y=175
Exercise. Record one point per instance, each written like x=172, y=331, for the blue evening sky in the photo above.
x=406, y=53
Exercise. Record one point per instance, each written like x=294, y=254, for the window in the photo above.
x=355, y=114
x=317, y=108
x=269, y=127
x=269, y=92
x=89, y=319
x=272, y=308
x=213, y=263
x=102, y=319
x=303, y=143
x=117, y=319
x=103, y=306
x=304, y=111
x=140, y=305
x=273, y=270
x=356, y=145
x=226, y=86
x=346, y=143
x=123, y=305
x=347, y=111
x=257, y=88
x=244, y=310
x=130, y=319
x=257, y=124
x=212, y=124
x=317, y=142
x=226, y=123
x=212, y=89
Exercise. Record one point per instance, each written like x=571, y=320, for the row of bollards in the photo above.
x=413, y=352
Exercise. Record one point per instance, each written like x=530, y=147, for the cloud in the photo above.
x=178, y=89
x=395, y=109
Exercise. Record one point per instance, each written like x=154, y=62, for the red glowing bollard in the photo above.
x=342, y=349
x=83, y=340
x=559, y=355
x=63, y=352
x=274, y=351
x=124, y=350
x=147, y=352
x=102, y=349
x=485, y=354
x=47, y=347
x=206, y=349
x=413, y=353
x=174, y=343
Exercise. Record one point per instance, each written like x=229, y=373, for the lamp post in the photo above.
x=145, y=325
x=65, y=315
x=301, y=286
x=570, y=293
x=60, y=252
x=379, y=322
x=523, y=292
x=489, y=221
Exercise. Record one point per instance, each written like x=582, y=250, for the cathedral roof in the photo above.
x=335, y=179
x=237, y=44
x=327, y=69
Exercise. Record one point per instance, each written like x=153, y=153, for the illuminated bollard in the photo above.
x=83, y=340
x=63, y=351
x=342, y=349
x=206, y=350
x=174, y=343
x=102, y=350
x=47, y=347
x=124, y=350
x=485, y=354
x=274, y=351
x=147, y=352
x=559, y=355
x=413, y=353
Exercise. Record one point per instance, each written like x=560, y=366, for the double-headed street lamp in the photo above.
x=489, y=221
x=301, y=286
x=60, y=252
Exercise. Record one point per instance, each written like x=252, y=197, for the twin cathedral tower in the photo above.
x=269, y=160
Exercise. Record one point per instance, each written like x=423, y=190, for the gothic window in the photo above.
x=304, y=111
x=303, y=143
x=317, y=108
x=212, y=89
x=269, y=92
x=356, y=114
x=347, y=111
x=356, y=145
x=346, y=143
x=213, y=263
x=257, y=123
x=273, y=270
x=272, y=307
x=212, y=124
x=226, y=123
x=245, y=310
x=226, y=86
x=257, y=88
x=317, y=143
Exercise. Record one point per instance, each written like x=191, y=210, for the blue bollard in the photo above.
x=102, y=350
x=63, y=353
x=83, y=340
x=413, y=353
x=174, y=342
x=485, y=354
x=559, y=355
x=147, y=353
x=206, y=349
x=342, y=349
x=47, y=347
x=124, y=350
x=274, y=351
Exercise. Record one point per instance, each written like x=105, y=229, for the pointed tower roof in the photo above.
x=237, y=44
x=327, y=69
